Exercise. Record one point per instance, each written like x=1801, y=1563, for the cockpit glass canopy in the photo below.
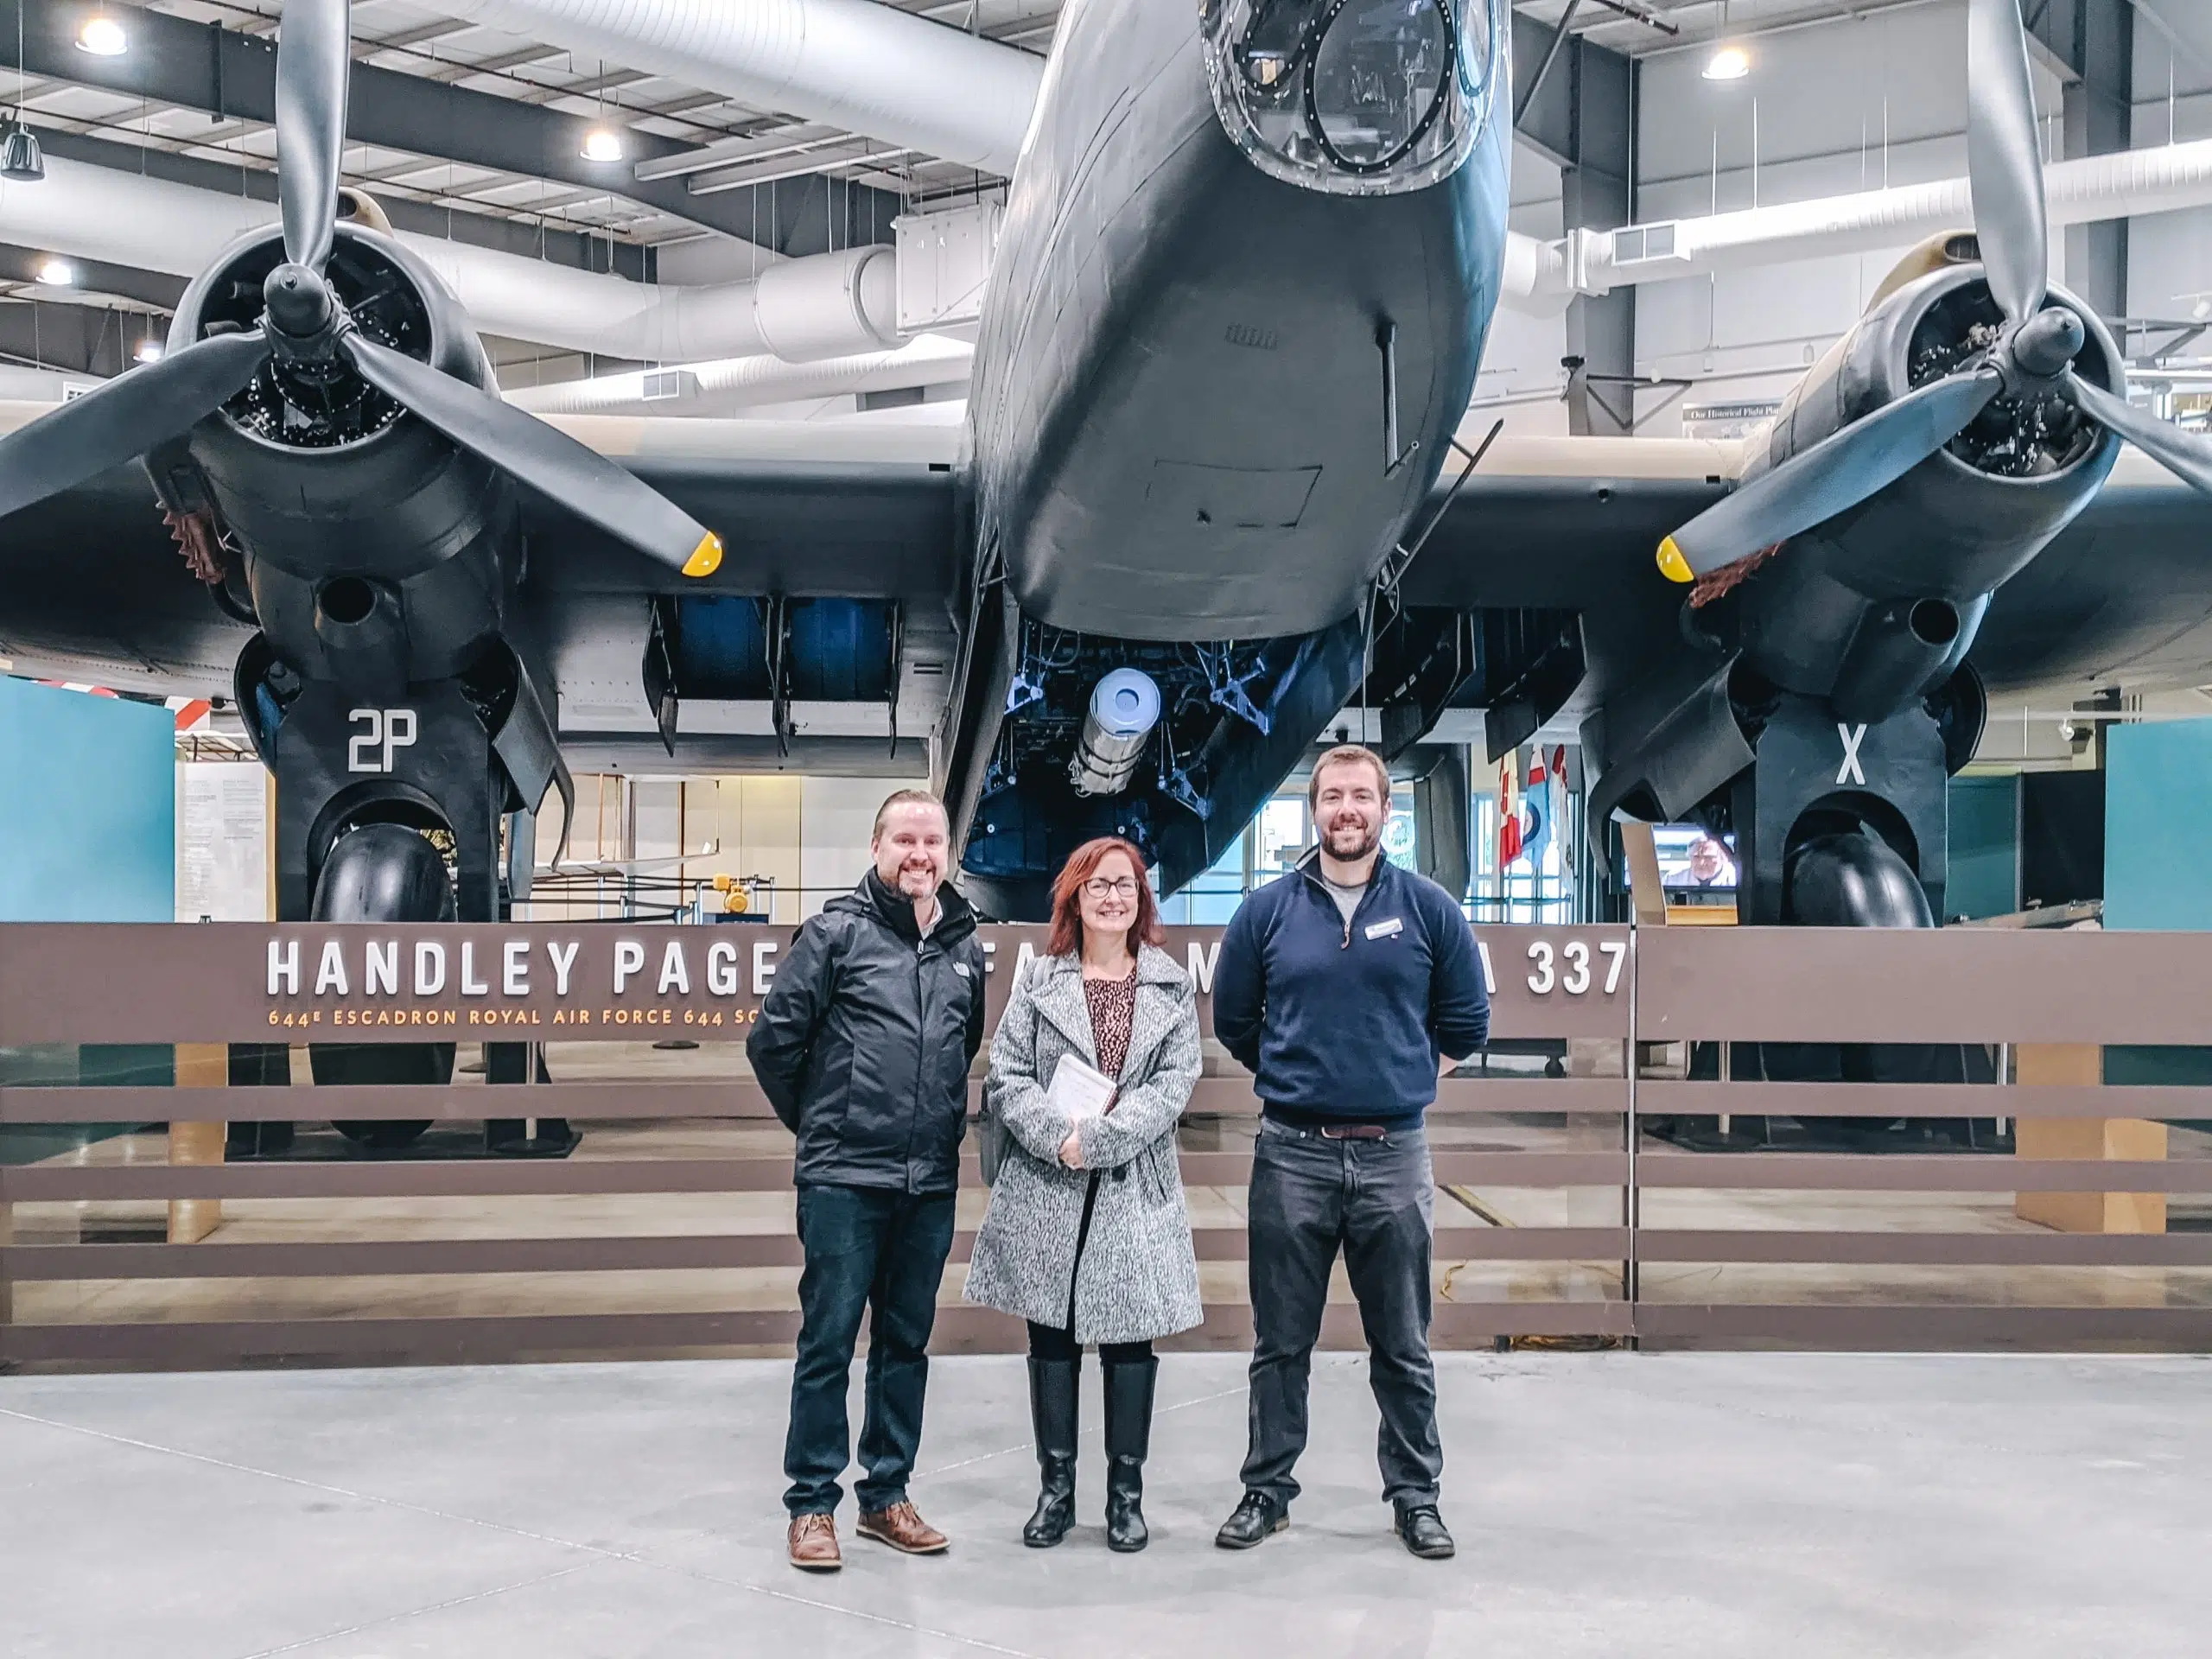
x=1355, y=97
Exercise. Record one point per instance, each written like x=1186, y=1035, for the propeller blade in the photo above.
x=1835, y=474
x=314, y=61
x=544, y=457
x=124, y=418
x=2005, y=161
x=2185, y=455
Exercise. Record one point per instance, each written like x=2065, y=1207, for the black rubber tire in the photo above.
x=383, y=873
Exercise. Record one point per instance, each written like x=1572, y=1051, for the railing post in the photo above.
x=1631, y=1193
x=198, y=1065
x=2104, y=1139
x=1647, y=906
x=7, y=1269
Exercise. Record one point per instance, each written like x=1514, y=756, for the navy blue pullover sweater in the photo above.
x=1344, y=1024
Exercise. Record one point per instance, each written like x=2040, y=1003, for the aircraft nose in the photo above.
x=1354, y=96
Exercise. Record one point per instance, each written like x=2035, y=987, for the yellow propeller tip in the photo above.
x=706, y=558
x=1672, y=564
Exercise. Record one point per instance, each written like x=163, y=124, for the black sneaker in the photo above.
x=1257, y=1516
x=1420, y=1528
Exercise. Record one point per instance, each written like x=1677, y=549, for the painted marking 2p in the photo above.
x=389, y=729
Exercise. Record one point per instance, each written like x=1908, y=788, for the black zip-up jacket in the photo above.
x=864, y=1041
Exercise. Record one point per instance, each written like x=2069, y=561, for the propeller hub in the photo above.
x=2047, y=342
x=299, y=303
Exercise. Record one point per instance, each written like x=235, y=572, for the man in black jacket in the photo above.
x=863, y=1046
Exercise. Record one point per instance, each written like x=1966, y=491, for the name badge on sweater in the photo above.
x=1390, y=929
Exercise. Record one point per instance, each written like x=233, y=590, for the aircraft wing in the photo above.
x=806, y=508
x=1563, y=523
x=95, y=590
x=2123, y=595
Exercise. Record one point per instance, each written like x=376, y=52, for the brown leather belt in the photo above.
x=1353, y=1132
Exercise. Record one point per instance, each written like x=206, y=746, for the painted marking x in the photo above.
x=1851, y=772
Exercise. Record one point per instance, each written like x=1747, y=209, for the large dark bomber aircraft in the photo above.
x=1249, y=258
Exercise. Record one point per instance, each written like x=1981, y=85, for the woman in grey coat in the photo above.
x=1087, y=1236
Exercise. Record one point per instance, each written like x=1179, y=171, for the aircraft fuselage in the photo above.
x=1178, y=416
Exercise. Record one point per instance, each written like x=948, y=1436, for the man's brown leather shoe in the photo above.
x=813, y=1541
x=904, y=1530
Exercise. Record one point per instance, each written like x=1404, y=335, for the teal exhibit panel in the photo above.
x=87, y=807
x=2158, y=860
x=88, y=834
x=2158, y=825
x=1985, y=843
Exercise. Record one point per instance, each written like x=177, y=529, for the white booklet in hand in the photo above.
x=1078, y=1090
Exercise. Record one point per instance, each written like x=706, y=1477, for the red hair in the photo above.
x=1067, y=913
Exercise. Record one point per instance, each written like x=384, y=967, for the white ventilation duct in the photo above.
x=867, y=68
x=28, y=386
x=736, y=384
x=829, y=305
x=873, y=70
x=2080, y=192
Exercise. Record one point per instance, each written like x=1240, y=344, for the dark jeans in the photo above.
x=1373, y=1199
x=884, y=1251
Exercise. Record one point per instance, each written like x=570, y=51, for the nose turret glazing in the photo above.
x=1354, y=96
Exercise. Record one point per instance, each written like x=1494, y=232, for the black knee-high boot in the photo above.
x=1053, y=1386
x=1129, y=1438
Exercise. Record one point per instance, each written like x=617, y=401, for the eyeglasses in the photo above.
x=1120, y=887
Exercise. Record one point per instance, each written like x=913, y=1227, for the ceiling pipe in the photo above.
x=736, y=384
x=2123, y=185
x=866, y=68
x=827, y=305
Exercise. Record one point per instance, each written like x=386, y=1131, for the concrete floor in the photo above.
x=1610, y=1504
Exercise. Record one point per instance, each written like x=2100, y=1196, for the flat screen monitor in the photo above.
x=1692, y=861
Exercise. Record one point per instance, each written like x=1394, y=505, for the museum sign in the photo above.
x=543, y=981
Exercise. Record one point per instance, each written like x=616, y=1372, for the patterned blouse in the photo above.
x=1113, y=1013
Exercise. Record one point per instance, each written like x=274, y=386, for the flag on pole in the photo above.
x=1537, y=811
x=1558, y=782
x=1508, y=809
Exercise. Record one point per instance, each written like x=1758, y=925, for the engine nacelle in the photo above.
x=408, y=591
x=1881, y=603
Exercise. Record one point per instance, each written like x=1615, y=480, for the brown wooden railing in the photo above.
x=1774, y=1246
x=2043, y=996
x=210, y=983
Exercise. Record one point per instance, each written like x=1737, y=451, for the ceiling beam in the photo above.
x=227, y=73
x=576, y=249
x=78, y=336
x=1553, y=70
x=94, y=276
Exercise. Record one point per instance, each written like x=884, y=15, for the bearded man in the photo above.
x=1344, y=986
x=862, y=1046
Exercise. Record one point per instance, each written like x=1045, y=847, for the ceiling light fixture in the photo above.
x=57, y=273
x=1729, y=63
x=603, y=145
x=102, y=36
x=20, y=161
x=150, y=350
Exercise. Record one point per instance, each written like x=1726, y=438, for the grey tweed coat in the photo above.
x=1138, y=1278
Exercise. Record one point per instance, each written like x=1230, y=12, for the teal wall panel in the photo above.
x=1985, y=869
x=2158, y=825
x=2158, y=860
x=87, y=807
